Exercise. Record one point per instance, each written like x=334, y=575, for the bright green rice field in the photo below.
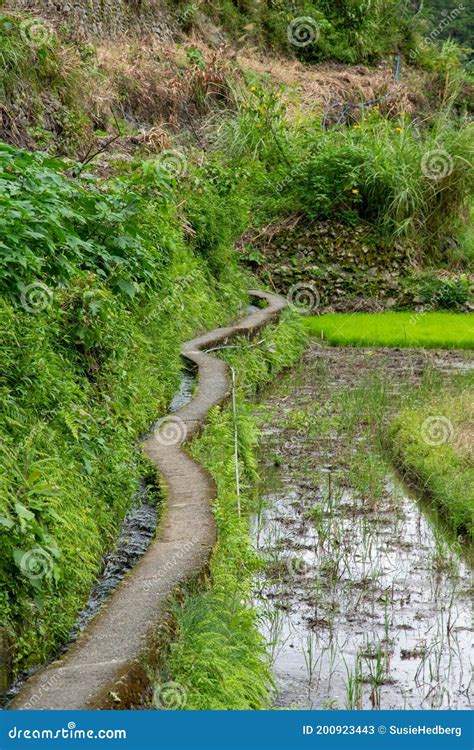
x=443, y=330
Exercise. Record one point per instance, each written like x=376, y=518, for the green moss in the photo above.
x=400, y=329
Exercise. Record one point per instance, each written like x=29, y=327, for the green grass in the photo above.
x=431, y=443
x=441, y=330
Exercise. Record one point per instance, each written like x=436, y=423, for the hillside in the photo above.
x=157, y=160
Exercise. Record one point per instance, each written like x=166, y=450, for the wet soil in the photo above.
x=366, y=602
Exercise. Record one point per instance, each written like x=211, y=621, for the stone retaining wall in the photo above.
x=102, y=18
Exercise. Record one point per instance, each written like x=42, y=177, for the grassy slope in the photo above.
x=75, y=467
x=400, y=329
x=86, y=367
x=432, y=444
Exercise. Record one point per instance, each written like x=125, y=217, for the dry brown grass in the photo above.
x=322, y=87
x=151, y=84
x=155, y=84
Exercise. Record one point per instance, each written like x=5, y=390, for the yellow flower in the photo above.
x=356, y=126
x=253, y=89
x=355, y=191
x=399, y=130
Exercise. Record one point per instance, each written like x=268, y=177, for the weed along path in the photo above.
x=366, y=600
x=103, y=669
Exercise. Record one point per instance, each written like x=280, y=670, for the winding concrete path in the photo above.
x=103, y=669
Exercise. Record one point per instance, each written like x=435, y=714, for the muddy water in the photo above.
x=365, y=602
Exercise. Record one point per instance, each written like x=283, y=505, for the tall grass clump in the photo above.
x=46, y=90
x=411, y=183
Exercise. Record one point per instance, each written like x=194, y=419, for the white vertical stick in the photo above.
x=236, y=442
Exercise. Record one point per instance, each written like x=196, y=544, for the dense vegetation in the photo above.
x=351, y=31
x=103, y=272
x=98, y=290
x=346, y=29
x=432, y=443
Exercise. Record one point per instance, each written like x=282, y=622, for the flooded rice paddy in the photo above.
x=365, y=601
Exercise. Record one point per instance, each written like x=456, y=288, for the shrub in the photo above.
x=53, y=226
x=447, y=293
x=410, y=183
x=216, y=209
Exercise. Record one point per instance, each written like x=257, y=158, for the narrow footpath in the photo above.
x=104, y=668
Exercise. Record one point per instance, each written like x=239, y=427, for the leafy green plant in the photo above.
x=443, y=292
x=195, y=57
x=99, y=360
x=53, y=226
